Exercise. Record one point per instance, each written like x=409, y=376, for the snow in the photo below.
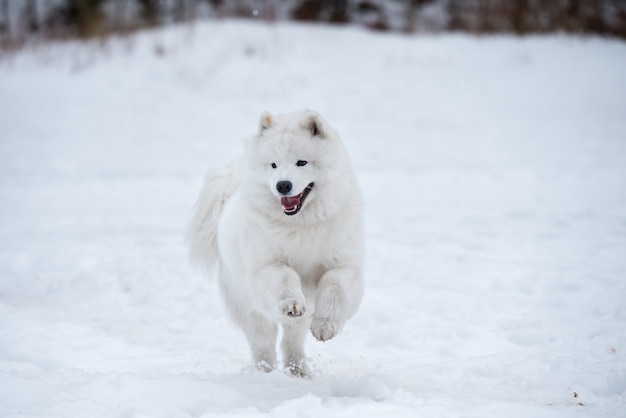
x=494, y=170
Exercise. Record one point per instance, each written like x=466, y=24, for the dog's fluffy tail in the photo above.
x=219, y=185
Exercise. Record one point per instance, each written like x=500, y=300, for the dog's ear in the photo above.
x=266, y=122
x=314, y=124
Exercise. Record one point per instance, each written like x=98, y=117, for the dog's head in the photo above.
x=295, y=157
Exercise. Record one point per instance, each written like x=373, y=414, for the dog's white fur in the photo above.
x=302, y=271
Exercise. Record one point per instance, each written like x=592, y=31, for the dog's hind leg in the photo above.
x=261, y=335
x=294, y=333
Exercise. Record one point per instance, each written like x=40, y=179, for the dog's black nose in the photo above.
x=284, y=187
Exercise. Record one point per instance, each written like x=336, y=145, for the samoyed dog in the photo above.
x=284, y=225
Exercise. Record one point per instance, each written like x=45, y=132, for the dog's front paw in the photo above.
x=293, y=307
x=323, y=329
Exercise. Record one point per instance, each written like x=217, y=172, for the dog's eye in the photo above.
x=301, y=163
x=273, y=165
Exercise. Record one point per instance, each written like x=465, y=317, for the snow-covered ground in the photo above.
x=495, y=176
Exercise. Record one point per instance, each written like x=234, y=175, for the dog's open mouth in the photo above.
x=293, y=204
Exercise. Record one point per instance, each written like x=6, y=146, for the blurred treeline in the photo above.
x=22, y=20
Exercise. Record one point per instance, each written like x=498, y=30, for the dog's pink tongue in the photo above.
x=290, y=202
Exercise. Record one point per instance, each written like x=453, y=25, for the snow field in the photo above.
x=494, y=171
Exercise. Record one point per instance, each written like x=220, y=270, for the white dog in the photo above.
x=284, y=222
